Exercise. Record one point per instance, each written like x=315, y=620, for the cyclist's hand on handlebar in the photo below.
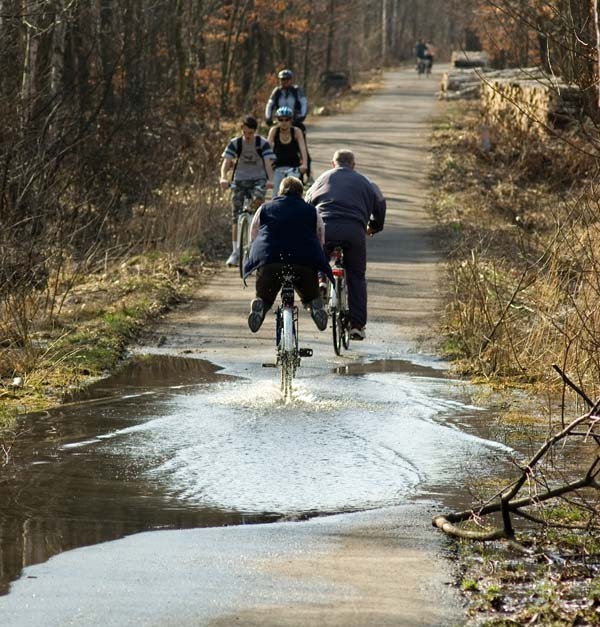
x=371, y=231
x=224, y=183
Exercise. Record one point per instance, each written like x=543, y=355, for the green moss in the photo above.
x=469, y=585
x=7, y=417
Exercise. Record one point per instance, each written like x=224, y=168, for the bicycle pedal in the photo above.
x=305, y=352
x=269, y=365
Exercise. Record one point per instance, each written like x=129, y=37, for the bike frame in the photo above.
x=243, y=224
x=280, y=173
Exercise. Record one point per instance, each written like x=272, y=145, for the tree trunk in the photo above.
x=384, y=31
x=107, y=51
x=57, y=59
x=330, y=35
x=28, y=74
x=597, y=25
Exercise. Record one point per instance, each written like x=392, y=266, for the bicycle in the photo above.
x=338, y=302
x=244, y=220
x=280, y=173
x=422, y=66
x=288, y=353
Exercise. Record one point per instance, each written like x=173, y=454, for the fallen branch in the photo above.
x=508, y=503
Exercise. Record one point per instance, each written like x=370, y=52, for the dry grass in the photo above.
x=521, y=228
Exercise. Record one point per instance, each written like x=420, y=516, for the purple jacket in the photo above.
x=345, y=194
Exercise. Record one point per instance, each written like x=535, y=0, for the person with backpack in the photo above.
x=250, y=157
x=292, y=96
x=289, y=148
x=287, y=95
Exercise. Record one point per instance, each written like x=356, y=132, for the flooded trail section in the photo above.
x=195, y=435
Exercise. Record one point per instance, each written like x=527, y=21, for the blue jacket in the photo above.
x=287, y=234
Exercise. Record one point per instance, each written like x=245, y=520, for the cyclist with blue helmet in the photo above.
x=292, y=96
x=287, y=142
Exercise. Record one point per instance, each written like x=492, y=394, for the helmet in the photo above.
x=286, y=74
x=284, y=112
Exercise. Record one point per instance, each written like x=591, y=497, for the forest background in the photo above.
x=115, y=115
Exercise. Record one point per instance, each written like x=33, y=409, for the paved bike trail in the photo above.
x=383, y=567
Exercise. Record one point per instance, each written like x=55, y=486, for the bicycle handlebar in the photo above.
x=260, y=188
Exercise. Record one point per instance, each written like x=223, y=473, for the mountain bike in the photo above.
x=286, y=337
x=251, y=196
x=338, y=302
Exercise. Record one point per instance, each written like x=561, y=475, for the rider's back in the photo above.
x=343, y=194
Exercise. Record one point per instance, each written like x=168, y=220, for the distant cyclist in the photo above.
x=287, y=95
x=249, y=156
x=287, y=238
x=292, y=96
x=420, y=53
x=289, y=147
x=351, y=206
x=429, y=56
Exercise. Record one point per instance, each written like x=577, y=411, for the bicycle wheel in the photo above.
x=337, y=326
x=344, y=313
x=287, y=355
x=243, y=241
x=345, y=324
x=286, y=377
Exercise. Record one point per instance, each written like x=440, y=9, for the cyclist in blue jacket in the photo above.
x=287, y=237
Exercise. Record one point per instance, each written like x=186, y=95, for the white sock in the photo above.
x=235, y=246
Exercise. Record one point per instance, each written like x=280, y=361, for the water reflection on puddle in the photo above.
x=151, y=373
x=173, y=443
x=390, y=365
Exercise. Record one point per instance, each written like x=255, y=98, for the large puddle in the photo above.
x=174, y=443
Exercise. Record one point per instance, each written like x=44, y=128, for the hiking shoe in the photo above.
x=256, y=315
x=318, y=313
x=356, y=333
x=233, y=259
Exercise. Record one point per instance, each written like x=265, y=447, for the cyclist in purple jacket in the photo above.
x=351, y=207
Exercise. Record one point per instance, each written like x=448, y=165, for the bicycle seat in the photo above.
x=336, y=247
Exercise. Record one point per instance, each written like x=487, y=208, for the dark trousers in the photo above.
x=270, y=276
x=351, y=236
